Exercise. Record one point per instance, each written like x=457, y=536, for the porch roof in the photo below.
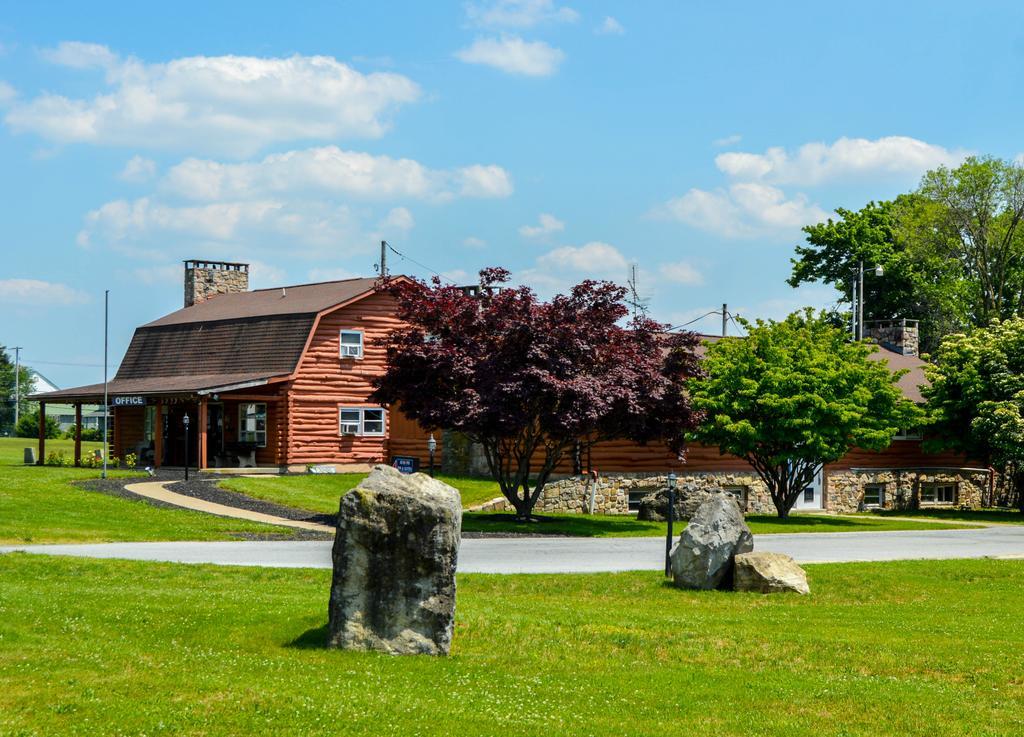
x=159, y=385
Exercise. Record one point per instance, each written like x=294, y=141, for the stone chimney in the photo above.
x=899, y=336
x=205, y=279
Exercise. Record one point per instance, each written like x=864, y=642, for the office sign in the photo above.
x=405, y=464
x=128, y=401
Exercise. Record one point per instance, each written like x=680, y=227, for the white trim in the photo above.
x=231, y=387
x=342, y=347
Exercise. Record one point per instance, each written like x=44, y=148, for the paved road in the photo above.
x=579, y=555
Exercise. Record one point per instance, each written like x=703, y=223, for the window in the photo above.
x=361, y=421
x=739, y=493
x=809, y=495
x=252, y=423
x=874, y=495
x=913, y=433
x=938, y=493
x=351, y=343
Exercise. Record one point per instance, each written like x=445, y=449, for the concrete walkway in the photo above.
x=157, y=490
x=580, y=555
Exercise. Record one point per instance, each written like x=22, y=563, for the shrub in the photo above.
x=57, y=458
x=131, y=460
x=28, y=426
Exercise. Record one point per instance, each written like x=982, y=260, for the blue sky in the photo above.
x=561, y=140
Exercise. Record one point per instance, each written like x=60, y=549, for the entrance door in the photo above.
x=811, y=497
x=214, y=434
x=174, y=435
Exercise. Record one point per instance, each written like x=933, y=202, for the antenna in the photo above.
x=638, y=303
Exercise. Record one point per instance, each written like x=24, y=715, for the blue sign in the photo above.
x=406, y=464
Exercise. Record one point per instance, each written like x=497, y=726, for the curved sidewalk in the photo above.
x=158, y=491
x=580, y=555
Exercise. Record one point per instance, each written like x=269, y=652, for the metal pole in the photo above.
x=17, y=384
x=668, y=531
x=853, y=308
x=186, y=447
x=431, y=463
x=383, y=259
x=860, y=302
x=106, y=399
x=725, y=319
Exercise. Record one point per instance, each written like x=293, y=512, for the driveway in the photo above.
x=579, y=555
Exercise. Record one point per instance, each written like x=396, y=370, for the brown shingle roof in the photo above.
x=300, y=299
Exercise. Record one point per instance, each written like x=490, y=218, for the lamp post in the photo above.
x=671, y=480
x=431, y=447
x=184, y=421
x=857, y=299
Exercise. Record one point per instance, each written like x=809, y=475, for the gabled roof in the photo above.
x=299, y=299
x=245, y=339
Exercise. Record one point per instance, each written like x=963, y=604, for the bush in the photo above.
x=57, y=458
x=131, y=460
x=28, y=426
x=92, y=434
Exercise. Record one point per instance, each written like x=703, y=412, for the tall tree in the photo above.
x=972, y=215
x=976, y=397
x=793, y=396
x=530, y=380
x=917, y=284
x=7, y=393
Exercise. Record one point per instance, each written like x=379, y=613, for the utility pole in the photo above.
x=106, y=399
x=860, y=302
x=725, y=319
x=383, y=259
x=17, y=383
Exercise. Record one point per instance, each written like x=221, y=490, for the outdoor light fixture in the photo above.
x=879, y=271
x=431, y=448
x=669, y=515
x=857, y=298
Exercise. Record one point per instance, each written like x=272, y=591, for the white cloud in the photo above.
x=518, y=13
x=593, y=259
x=745, y=209
x=814, y=163
x=474, y=242
x=79, y=55
x=332, y=170
x=548, y=224
x=513, y=55
x=609, y=27
x=728, y=140
x=7, y=93
x=681, y=272
x=398, y=218
x=36, y=292
x=235, y=104
x=138, y=169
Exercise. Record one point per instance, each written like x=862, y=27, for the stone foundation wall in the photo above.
x=902, y=489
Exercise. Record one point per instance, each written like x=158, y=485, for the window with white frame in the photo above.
x=252, y=423
x=361, y=421
x=351, y=343
x=938, y=493
x=874, y=495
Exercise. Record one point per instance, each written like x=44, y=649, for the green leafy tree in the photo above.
x=917, y=284
x=976, y=397
x=7, y=393
x=793, y=396
x=28, y=426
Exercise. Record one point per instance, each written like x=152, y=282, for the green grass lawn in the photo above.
x=12, y=450
x=1003, y=516
x=321, y=493
x=911, y=648
x=41, y=505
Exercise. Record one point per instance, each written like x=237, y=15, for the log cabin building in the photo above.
x=282, y=377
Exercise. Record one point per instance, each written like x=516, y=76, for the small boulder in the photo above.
x=703, y=557
x=769, y=573
x=654, y=506
x=394, y=557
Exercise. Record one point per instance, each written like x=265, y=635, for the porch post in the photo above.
x=42, y=434
x=78, y=433
x=202, y=433
x=158, y=434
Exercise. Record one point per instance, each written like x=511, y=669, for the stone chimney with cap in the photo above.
x=205, y=279
x=899, y=336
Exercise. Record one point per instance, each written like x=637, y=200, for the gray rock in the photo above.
x=654, y=506
x=769, y=573
x=30, y=456
x=703, y=557
x=394, y=565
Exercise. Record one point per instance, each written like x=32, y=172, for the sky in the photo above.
x=562, y=141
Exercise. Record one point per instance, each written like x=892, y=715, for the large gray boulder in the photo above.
x=769, y=573
x=654, y=506
x=394, y=565
x=703, y=557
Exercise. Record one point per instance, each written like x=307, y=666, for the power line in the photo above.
x=63, y=363
x=683, y=325
x=421, y=265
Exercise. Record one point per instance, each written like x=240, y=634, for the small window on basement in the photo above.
x=874, y=495
x=252, y=423
x=351, y=343
x=740, y=493
x=913, y=433
x=938, y=493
